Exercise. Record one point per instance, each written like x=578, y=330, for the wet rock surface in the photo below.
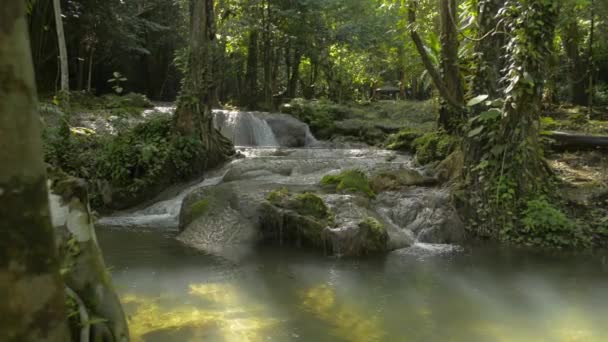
x=389, y=205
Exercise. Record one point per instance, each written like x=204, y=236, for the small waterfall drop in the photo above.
x=244, y=128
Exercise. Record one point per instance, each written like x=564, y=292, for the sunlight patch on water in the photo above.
x=346, y=321
x=230, y=319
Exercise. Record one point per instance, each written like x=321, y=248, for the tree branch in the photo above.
x=426, y=60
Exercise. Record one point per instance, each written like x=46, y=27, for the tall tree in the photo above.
x=193, y=114
x=63, y=52
x=510, y=169
x=450, y=117
x=32, y=308
x=448, y=82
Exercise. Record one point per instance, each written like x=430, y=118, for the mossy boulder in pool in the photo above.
x=292, y=218
x=349, y=181
x=365, y=237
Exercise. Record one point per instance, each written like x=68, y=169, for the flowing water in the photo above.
x=264, y=292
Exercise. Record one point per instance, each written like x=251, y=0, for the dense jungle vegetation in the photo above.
x=505, y=100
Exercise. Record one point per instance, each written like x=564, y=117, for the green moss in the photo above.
x=374, y=234
x=349, y=180
x=548, y=123
x=312, y=205
x=199, y=208
x=278, y=195
x=434, y=146
x=402, y=140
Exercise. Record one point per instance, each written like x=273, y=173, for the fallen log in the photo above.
x=562, y=141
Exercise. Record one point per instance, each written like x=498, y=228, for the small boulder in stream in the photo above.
x=342, y=226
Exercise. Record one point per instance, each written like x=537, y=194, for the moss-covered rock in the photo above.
x=349, y=180
x=450, y=169
x=402, y=140
x=199, y=208
x=397, y=179
x=298, y=219
x=374, y=236
x=434, y=146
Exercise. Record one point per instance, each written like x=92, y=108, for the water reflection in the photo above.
x=481, y=294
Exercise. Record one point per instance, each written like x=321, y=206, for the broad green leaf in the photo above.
x=475, y=131
x=476, y=100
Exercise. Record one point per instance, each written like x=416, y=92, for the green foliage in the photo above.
x=199, y=208
x=545, y=225
x=434, y=146
x=548, y=123
x=319, y=115
x=132, y=162
x=403, y=140
x=130, y=100
x=349, y=180
x=116, y=82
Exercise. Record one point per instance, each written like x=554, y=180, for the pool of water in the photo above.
x=424, y=293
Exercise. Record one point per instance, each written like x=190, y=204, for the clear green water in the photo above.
x=172, y=293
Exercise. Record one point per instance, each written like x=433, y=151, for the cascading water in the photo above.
x=244, y=128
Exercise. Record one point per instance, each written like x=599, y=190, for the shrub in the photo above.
x=545, y=225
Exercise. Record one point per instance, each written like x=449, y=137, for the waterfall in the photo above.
x=244, y=128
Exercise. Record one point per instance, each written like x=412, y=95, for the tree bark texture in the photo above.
x=193, y=114
x=33, y=300
x=63, y=53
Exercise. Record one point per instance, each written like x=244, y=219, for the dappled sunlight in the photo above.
x=230, y=318
x=347, y=322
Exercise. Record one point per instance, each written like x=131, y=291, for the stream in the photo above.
x=185, y=286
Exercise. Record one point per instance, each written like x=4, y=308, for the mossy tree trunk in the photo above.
x=450, y=117
x=193, y=114
x=508, y=167
x=84, y=270
x=488, y=50
x=33, y=300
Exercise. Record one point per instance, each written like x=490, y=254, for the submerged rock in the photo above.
x=216, y=216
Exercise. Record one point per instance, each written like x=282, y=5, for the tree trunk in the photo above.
x=292, y=84
x=33, y=300
x=450, y=117
x=90, y=69
x=86, y=275
x=193, y=114
x=267, y=55
x=251, y=76
x=576, y=68
x=63, y=53
x=591, y=63
x=448, y=83
x=509, y=169
x=489, y=50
